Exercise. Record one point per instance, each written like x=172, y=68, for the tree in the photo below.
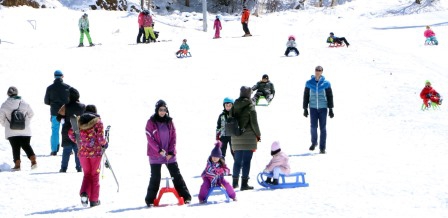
x=187, y=3
x=334, y=3
x=418, y=1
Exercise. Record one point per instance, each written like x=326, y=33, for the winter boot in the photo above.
x=81, y=45
x=84, y=199
x=235, y=182
x=275, y=182
x=268, y=180
x=16, y=166
x=95, y=203
x=244, y=185
x=33, y=162
x=91, y=44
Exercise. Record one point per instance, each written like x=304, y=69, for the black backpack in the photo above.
x=17, y=121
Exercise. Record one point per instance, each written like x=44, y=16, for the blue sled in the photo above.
x=217, y=190
x=284, y=180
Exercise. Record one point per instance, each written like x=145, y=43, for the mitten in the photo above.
x=305, y=112
x=331, y=113
x=217, y=136
x=88, y=30
x=106, y=146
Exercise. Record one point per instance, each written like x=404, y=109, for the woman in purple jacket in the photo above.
x=161, y=135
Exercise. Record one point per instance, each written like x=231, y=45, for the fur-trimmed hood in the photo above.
x=88, y=121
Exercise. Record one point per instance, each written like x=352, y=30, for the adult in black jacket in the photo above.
x=73, y=107
x=56, y=96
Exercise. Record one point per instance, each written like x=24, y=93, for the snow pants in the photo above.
x=55, y=126
x=206, y=186
x=149, y=32
x=91, y=180
x=81, y=39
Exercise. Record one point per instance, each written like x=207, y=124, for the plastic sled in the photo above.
x=431, y=41
x=262, y=101
x=292, y=180
x=167, y=189
x=216, y=190
x=430, y=105
x=336, y=45
x=184, y=54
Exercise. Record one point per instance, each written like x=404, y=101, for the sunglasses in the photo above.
x=163, y=110
x=318, y=70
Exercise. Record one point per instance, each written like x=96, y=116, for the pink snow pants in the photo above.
x=205, y=187
x=217, y=33
x=91, y=180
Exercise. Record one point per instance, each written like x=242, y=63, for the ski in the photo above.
x=75, y=127
x=107, y=162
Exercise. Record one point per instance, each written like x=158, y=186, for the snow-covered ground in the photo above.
x=386, y=157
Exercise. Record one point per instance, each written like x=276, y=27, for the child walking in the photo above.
x=213, y=174
x=90, y=153
x=217, y=27
x=279, y=164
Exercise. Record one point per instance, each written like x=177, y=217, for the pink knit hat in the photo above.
x=275, y=147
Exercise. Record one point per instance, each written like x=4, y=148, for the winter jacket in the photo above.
x=72, y=108
x=91, y=135
x=244, y=111
x=56, y=95
x=147, y=21
x=140, y=19
x=6, y=109
x=215, y=172
x=266, y=88
x=245, y=16
x=428, y=91
x=317, y=94
x=279, y=160
x=154, y=131
x=291, y=43
x=429, y=33
x=221, y=124
x=217, y=24
x=184, y=46
x=83, y=23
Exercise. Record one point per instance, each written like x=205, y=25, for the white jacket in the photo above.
x=5, y=112
x=291, y=43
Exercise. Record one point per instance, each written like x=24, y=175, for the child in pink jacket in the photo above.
x=430, y=36
x=279, y=164
x=217, y=27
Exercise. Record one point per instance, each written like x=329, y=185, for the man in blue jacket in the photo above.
x=319, y=97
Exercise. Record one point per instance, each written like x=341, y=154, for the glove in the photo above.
x=258, y=139
x=217, y=136
x=106, y=146
x=219, y=171
x=438, y=95
x=88, y=30
x=331, y=113
x=305, y=112
x=428, y=95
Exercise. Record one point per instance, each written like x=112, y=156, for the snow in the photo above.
x=386, y=157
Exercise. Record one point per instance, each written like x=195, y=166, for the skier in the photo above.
x=264, y=88
x=90, y=152
x=213, y=174
x=83, y=25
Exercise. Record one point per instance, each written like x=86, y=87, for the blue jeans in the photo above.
x=55, y=125
x=319, y=116
x=242, y=161
x=67, y=149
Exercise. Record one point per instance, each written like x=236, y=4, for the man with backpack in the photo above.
x=15, y=116
x=56, y=96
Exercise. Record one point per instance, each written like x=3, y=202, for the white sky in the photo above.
x=386, y=157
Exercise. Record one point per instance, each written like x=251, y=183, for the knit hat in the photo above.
x=265, y=76
x=216, y=152
x=74, y=94
x=91, y=108
x=275, y=147
x=161, y=103
x=331, y=34
x=12, y=91
x=427, y=81
x=245, y=92
x=58, y=74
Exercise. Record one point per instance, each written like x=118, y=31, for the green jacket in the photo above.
x=244, y=111
x=83, y=23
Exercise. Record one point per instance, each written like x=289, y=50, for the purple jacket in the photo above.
x=155, y=132
x=215, y=172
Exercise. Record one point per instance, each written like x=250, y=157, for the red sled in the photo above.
x=168, y=189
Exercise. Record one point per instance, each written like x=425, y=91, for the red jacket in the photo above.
x=245, y=16
x=140, y=19
x=426, y=91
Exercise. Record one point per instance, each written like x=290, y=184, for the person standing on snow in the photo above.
x=245, y=21
x=141, y=30
x=319, y=97
x=83, y=25
x=217, y=27
x=147, y=25
x=221, y=134
x=56, y=95
x=18, y=138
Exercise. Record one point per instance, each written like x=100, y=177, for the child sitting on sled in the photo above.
x=430, y=36
x=291, y=45
x=337, y=41
x=279, y=164
x=213, y=174
x=429, y=94
x=264, y=88
x=183, y=48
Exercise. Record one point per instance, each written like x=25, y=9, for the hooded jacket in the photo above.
x=91, y=131
x=6, y=109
